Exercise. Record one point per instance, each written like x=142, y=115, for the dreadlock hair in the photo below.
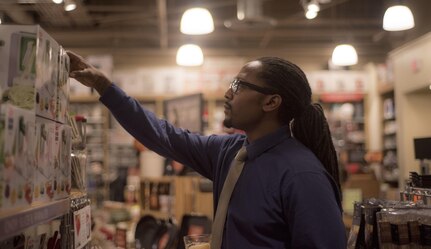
x=307, y=120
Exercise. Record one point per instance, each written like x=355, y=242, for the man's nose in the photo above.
x=229, y=93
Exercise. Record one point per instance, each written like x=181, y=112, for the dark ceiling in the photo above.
x=151, y=28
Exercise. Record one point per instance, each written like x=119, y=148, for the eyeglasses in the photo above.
x=236, y=83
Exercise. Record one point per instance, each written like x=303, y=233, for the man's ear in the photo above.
x=272, y=102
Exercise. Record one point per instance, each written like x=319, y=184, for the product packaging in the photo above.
x=17, y=157
x=45, y=181
x=62, y=161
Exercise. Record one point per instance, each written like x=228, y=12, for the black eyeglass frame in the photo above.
x=236, y=83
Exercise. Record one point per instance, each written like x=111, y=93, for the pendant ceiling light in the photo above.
x=311, y=8
x=190, y=55
x=397, y=18
x=197, y=21
x=344, y=55
x=57, y=1
x=69, y=5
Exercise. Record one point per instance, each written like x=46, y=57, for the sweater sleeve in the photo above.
x=194, y=150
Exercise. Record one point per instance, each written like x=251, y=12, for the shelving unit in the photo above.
x=390, y=171
x=183, y=197
x=15, y=222
x=346, y=122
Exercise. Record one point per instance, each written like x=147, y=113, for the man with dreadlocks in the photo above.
x=286, y=191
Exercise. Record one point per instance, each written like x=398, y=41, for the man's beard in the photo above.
x=227, y=123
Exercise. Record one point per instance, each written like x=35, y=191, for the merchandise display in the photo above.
x=394, y=224
x=36, y=141
x=36, y=83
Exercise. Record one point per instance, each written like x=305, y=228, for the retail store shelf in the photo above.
x=157, y=214
x=14, y=222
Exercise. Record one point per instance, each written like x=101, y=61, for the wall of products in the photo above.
x=36, y=141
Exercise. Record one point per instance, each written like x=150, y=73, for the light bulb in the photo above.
x=310, y=14
x=196, y=21
x=344, y=55
x=57, y=1
x=397, y=18
x=190, y=55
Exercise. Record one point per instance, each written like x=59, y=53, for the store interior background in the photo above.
x=135, y=43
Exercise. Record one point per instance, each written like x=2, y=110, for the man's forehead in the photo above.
x=253, y=64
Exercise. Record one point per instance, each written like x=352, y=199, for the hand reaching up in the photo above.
x=87, y=74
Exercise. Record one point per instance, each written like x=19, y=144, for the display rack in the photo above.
x=347, y=125
x=183, y=196
x=390, y=170
x=16, y=222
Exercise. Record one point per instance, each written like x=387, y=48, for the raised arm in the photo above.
x=202, y=153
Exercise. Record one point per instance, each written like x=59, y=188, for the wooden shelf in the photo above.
x=17, y=221
x=184, y=190
x=162, y=179
x=157, y=214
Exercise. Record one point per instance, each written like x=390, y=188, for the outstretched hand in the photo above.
x=87, y=74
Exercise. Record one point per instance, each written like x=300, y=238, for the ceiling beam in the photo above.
x=163, y=23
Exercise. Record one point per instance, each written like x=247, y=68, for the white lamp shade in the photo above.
x=69, y=5
x=313, y=6
x=190, y=55
x=57, y=1
x=397, y=18
x=196, y=21
x=344, y=55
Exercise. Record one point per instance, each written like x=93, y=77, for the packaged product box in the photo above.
x=32, y=69
x=18, y=65
x=45, y=149
x=47, y=71
x=62, y=160
x=17, y=159
x=63, y=87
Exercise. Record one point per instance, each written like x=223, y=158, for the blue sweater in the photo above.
x=284, y=197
